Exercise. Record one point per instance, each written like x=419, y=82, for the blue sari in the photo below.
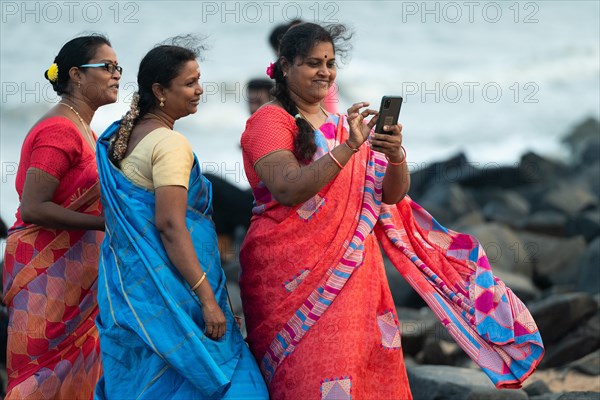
x=150, y=322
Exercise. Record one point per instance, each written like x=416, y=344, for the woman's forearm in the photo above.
x=300, y=183
x=396, y=183
x=51, y=215
x=180, y=249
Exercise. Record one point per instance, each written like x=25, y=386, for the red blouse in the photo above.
x=56, y=146
x=269, y=129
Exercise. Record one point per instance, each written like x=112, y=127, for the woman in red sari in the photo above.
x=51, y=261
x=307, y=187
x=319, y=313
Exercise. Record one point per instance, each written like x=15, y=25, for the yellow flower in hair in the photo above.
x=53, y=73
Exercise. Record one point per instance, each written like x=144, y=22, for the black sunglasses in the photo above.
x=110, y=67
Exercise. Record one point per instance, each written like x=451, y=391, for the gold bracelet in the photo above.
x=197, y=285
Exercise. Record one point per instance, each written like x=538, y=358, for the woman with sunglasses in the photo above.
x=51, y=260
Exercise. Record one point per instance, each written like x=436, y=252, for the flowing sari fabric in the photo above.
x=327, y=248
x=150, y=322
x=452, y=274
x=50, y=284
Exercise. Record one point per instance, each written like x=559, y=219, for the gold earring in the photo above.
x=78, y=84
x=162, y=102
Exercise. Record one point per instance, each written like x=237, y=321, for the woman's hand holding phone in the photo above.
x=359, y=130
x=387, y=138
x=389, y=143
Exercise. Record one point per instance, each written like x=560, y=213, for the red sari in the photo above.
x=319, y=313
x=50, y=276
x=353, y=349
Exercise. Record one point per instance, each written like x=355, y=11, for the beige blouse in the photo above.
x=162, y=158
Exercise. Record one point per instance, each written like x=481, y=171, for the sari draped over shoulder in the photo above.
x=150, y=322
x=320, y=316
x=50, y=282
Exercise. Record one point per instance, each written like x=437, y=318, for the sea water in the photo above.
x=490, y=79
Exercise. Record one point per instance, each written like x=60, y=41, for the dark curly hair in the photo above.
x=74, y=53
x=298, y=41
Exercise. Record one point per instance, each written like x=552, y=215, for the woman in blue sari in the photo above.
x=166, y=330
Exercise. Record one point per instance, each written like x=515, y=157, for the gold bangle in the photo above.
x=199, y=282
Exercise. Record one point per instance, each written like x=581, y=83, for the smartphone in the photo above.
x=389, y=111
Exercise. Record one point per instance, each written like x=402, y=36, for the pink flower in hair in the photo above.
x=271, y=71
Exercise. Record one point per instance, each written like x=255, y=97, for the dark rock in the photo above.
x=504, y=248
x=559, y=315
x=471, y=219
x=589, y=273
x=463, y=361
x=536, y=169
x=557, y=291
x=590, y=175
x=589, y=365
x=546, y=396
x=410, y=314
x=432, y=353
x=409, y=361
x=568, y=396
x=521, y=285
x=589, y=128
x=434, y=174
x=580, y=396
x=548, y=222
x=584, y=142
x=591, y=152
x=586, y=224
x=569, y=198
x=535, y=195
x=402, y=293
x=429, y=382
x=583, y=340
x=447, y=202
x=537, y=388
x=493, y=175
x=554, y=260
x=507, y=207
x=416, y=326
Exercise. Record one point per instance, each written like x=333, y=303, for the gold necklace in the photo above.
x=161, y=119
x=88, y=136
x=306, y=119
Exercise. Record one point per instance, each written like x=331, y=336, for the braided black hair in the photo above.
x=160, y=65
